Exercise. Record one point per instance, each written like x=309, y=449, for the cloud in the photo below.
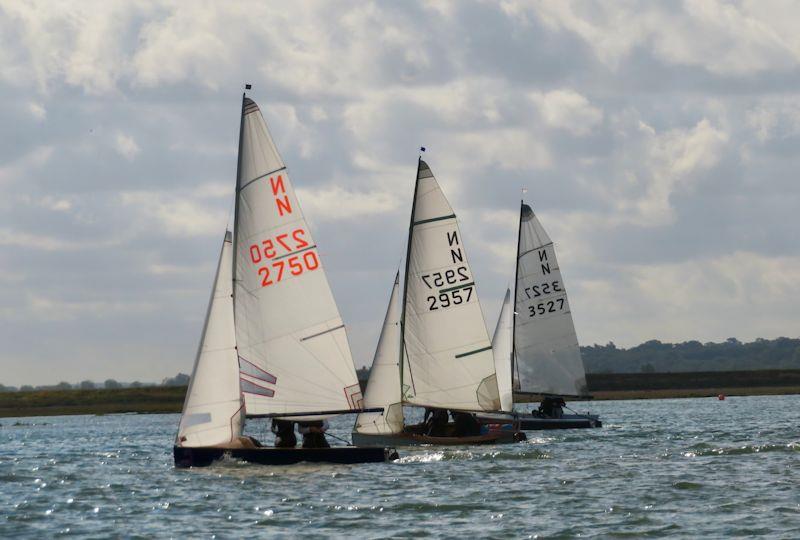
x=37, y=111
x=567, y=109
x=657, y=142
x=721, y=37
x=126, y=146
x=335, y=204
x=174, y=214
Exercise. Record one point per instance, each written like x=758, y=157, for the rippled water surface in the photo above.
x=679, y=468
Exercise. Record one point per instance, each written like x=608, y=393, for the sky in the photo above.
x=657, y=142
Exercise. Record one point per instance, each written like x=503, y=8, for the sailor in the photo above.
x=546, y=407
x=466, y=424
x=558, y=407
x=314, y=434
x=284, y=433
x=436, y=425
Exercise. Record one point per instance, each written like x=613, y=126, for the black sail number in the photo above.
x=453, y=276
x=542, y=308
x=449, y=298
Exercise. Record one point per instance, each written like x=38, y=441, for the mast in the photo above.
x=514, y=310
x=405, y=282
x=236, y=197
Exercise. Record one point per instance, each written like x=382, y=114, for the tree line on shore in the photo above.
x=730, y=355
x=650, y=357
x=181, y=379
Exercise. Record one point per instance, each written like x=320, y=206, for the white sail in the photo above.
x=383, y=387
x=213, y=412
x=294, y=355
x=449, y=356
x=548, y=358
x=502, y=350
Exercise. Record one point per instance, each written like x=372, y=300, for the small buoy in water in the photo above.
x=721, y=397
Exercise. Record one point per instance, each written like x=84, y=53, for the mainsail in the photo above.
x=293, y=352
x=449, y=362
x=548, y=358
x=383, y=387
x=502, y=349
x=212, y=412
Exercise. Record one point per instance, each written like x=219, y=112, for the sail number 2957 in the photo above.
x=275, y=260
x=446, y=299
x=453, y=296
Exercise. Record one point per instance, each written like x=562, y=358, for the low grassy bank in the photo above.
x=169, y=399
x=156, y=399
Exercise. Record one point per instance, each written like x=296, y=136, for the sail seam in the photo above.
x=464, y=286
x=474, y=352
x=294, y=252
x=433, y=219
x=322, y=333
x=262, y=176
x=534, y=249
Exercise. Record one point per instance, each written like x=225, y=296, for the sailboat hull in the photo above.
x=532, y=422
x=205, y=456
x=416, y=439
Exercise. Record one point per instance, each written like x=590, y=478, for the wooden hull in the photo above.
x=205, y=456
x=416, y=439
x=533, y=422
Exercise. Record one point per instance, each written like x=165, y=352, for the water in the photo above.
x=678, y=468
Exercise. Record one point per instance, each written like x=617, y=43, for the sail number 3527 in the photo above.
x=274, y=255
x=551, y=306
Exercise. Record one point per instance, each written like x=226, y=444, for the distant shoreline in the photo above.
x=155, y=400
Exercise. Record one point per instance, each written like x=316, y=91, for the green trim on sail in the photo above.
x=464, y=286
x=489, y=348
x=434, y=219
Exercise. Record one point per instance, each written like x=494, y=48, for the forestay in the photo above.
x=502, y=350
x=383, y=387
x=449, y=356
x=213, y=412
x=294, y=354
x=548, y=358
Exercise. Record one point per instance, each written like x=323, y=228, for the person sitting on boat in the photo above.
x=426, y=418
x=558, y=407
x=314, y=434
x=466, y=425
x=552, y=407
x=284, y=433
x=436, y=425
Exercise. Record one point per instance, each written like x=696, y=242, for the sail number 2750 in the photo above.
x=276, y=259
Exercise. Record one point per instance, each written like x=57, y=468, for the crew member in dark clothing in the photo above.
x=437, y=423
x=466, y=424
x=552, y=407
x=284, y=433
x=314, y=434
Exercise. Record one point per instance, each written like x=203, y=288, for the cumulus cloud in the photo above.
x=657, y=142
x=567, y=109
x=126, y=146
x=334, y=203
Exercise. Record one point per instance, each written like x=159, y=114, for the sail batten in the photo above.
x=547, y=356
x=447, y=358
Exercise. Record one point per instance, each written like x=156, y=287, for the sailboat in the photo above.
x=535, y=346
x=434, y=350
x=273, y=343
